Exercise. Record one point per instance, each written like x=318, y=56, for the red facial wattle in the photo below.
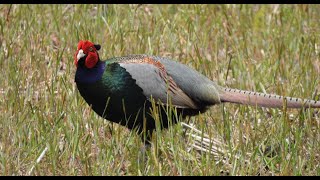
x=90, y=51
x=91, y=59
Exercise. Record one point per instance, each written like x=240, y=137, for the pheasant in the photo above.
x=121, y=89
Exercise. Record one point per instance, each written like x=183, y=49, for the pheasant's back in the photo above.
x=198, y=87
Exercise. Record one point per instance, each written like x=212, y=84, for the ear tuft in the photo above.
x=97, y=46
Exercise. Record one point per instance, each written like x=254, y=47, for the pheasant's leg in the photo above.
x=143, y=158
x=146, y=138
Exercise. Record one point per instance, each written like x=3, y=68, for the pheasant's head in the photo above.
x=87, y=54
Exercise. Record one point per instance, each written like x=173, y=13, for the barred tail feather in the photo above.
x=265, y=100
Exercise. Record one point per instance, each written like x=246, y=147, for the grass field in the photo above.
x=48, y=129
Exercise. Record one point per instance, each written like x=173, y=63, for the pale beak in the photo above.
x=80, y=54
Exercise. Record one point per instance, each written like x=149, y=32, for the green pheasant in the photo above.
x=120, y=89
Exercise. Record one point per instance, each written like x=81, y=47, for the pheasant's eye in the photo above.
x=90, y=49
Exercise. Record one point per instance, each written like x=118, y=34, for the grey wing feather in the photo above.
x=197, y=86
x=149, y=78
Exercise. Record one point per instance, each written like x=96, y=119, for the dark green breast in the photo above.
x=115, y=96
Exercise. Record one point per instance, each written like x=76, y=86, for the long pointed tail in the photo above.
x=265, y=100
